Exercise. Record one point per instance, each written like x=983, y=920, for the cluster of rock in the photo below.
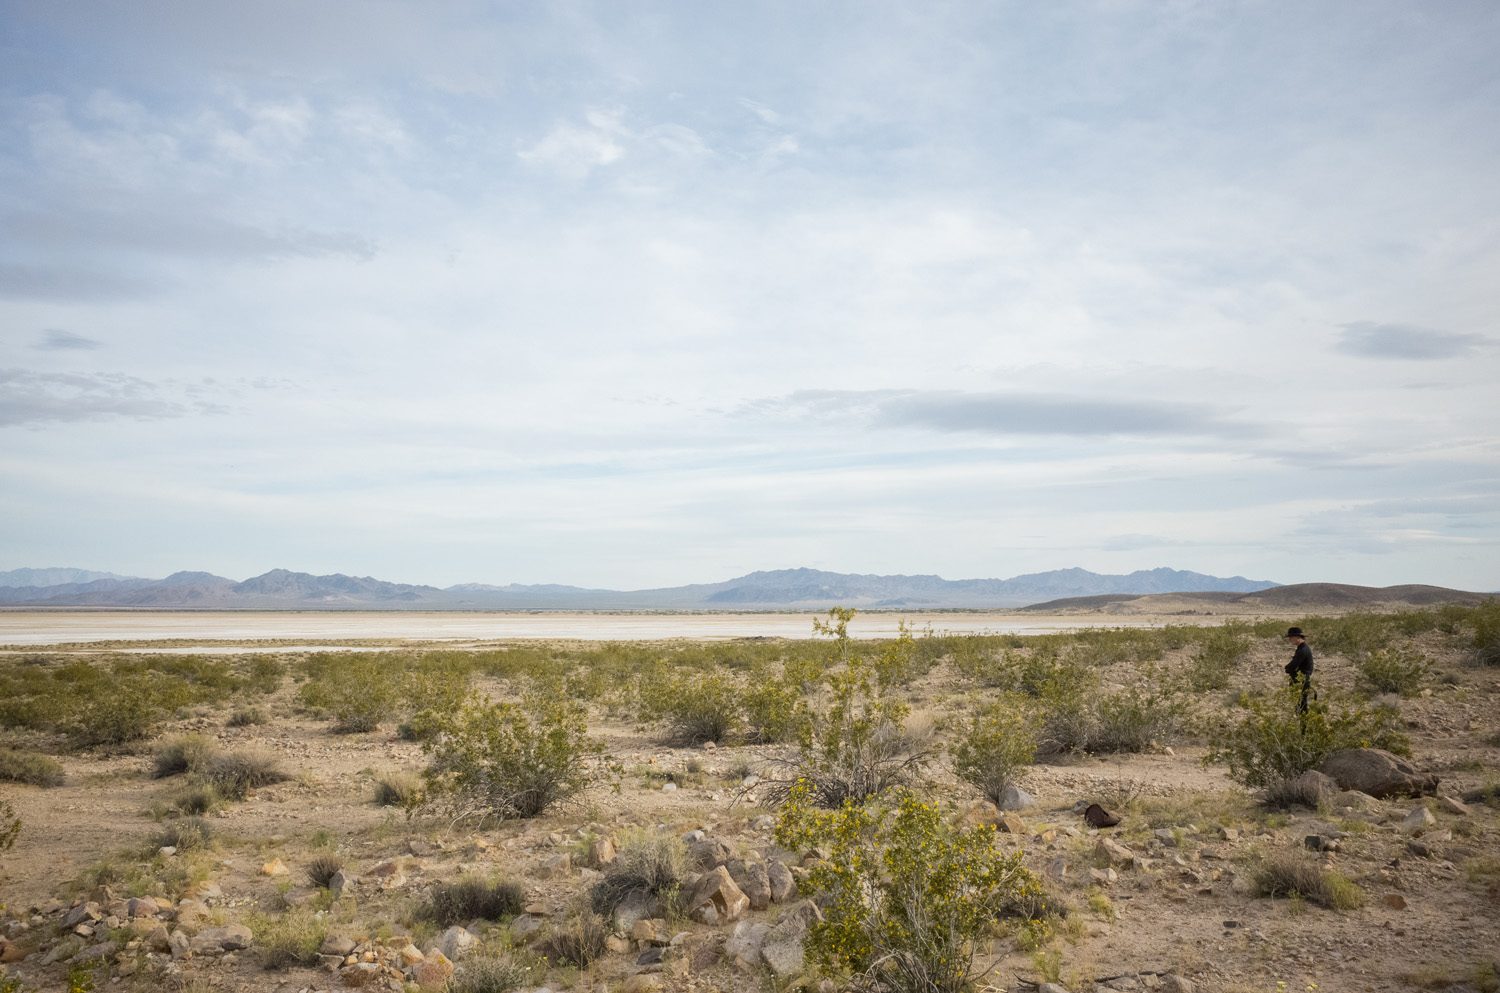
x=391, y=963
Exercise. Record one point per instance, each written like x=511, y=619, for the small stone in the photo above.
x=1111, y=852
x=642, y=982
x=745, y=942
x=179, y=944
x=1173, y=983
x=1453, y=806
x=665, y=788
x=340, y=883
x=1419, y=820
x=601, y=853
x=336, y=945
x=275, y=867
x=1395, y=901
x=1165, y=836
x=1229, y=834
x=1104, y=877
x=1010, y=823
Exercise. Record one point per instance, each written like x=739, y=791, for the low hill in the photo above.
x=1293, y=598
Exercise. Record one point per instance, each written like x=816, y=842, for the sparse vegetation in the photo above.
x=471, y=897
x=31, y=768
x=183, y=753
x=400, y=789
x=1394, y=670
x=489, y=973
x=1219, y=653
x=289, y=939
x=321, y=870
x=577, y=941
x=1295, y=876
x=10, y=825
x=654, y=866
x=694, y=707
x=185, y=834
x=245, y=717
x=993, y=747
x=234, y=774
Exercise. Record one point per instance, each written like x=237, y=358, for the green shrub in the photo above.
x=1484, y=645
x=1394, y=670
x=906, y=896
x=1135, y=718
x=183, y=753
x=577, y=941
x=774, y=710
x=400, y=789
x=1273, y=743
x=647, y=864
x=290, y=939
x=470, y=897
x=489, y=973
x=1219, y=653
x=506, y=760
x=31, y=768
x=234, y=774
x=694, y=707
x=993, y=747
x=1295, y=876
x=131, y=708
x=186, y=835
x=357, y=691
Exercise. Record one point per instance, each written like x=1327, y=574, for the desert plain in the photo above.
x=333, y=866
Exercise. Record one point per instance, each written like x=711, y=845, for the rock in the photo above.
x=754, y=881
x=179, y=944
x=1097, y=817
x=1111, y=852
x=1051, y=988
x=191, y=913
x=433, y=972
x=1165, y=837
x=456, y=942
x=1173, y=983
x=63, y=950
x=649, y=932
x=1312, y=785
x=1015, y=798
x=617, y=944
x=669, y=787
x=340, y=883
x=783, y=945
x=1395, y=901
x=1010, y=823
x=338, y=945
x=650, y=956
x=229, y=938
x=642, y=982
x=1057, y=869
x=1104, y=877
x=1320, y=843
x=557, y=865
x=716, y=899
x=765, y=822
x=524, y=926
x=12, y=952
x=1453, y=806
x=783, y=883
x=84, y=913
x=159, y=940
x=746, y=940
x=421, y=847
x=389, y=875
x=601, y=853
x=142, y=906
x=633, y=908
x=94, y=953
x=1419, y=820
x=1229, y=834
x=275, y=867
x=1378, y=773
x=709, y=852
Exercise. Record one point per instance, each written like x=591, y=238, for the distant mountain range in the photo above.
x=779, y=589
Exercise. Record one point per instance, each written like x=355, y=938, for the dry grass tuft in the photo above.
x=1290, y=876
x=463, y=900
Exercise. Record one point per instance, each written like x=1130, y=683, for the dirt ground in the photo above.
x=1429, y=920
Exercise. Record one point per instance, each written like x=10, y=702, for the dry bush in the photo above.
x=470, y=897
x=183, y=753
x=290, y=939
x=1287, y=875
x=1292, y=792
x=648, y=864
x=399, y=789
x=487, y=973
x=186, y=835
x=234, y=774
x=197, y=800
x=31, y=768
x=246, y=716
x=322, y=869
x=695, y=707
x=578, y=941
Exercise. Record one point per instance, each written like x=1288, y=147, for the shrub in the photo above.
x=774, y=710
x=10, y=825
x=1135, y=718
x=32, y=768
x=1485, y=643
x=695, y=707
x=291, y=939
x=1272, y=742
x=356, y=691
x=399, y=789
x=1284, y=793
x=509, y=761
x=462, y=900
x=906, y=896
x=234, y=774
x=993, y=747
x=578, y=941
x=197, y=800
x=322, y=869
x=650, y=865
x=183, y=753
x=130, y=707
x=186, y=835
x=854, y=747
x=1293, y=876
x=1219, y=653
x=1394, y=670
x=486, y=973
x=246, y=716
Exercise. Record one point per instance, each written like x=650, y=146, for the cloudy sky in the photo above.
x=635, y=294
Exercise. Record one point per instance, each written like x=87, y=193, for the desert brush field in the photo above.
x=824, y=812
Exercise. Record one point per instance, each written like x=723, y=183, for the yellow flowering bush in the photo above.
x=908, y=895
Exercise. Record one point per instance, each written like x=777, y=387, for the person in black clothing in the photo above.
x=1300, y=668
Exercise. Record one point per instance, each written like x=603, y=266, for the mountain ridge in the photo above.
x=799, y=588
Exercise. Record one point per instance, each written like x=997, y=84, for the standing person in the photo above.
x=1301, y=666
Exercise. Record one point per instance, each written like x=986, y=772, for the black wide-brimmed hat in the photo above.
x=1295, y=633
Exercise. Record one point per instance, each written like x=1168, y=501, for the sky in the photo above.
x=640, y=294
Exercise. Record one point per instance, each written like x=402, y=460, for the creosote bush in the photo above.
x=183, y=753
x=1219, y=653
x=993, y=747
x=10, y=825
x=1295, y=876
x=31, y=768
x=245, y=717
x=505, y=760
x=907, y=897
x=462, y=900
x=1394, y=670
x=1272, y=743
x=694, y=707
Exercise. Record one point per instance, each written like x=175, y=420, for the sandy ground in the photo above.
x=204, y=629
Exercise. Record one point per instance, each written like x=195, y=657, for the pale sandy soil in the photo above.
x=1191, y=913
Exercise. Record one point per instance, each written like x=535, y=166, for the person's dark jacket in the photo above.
x=1301, y=664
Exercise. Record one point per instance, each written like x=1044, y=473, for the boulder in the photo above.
x=179, y=944
x=456, y=942
x=1313, y=785
x=1453, y=806
x=340, y=883
x=754, y=881
x=143, y=906
x=783, y=946
x=745, y=942
x=84, y=913
x=1173, y=983
x=275, y=867
x=716, y=899
x=338, y=945
x=1419, y=820
x=601, y=853
x=230, y=938
x=633, y=908
x=1378, y=773
x=433, y=972
x=709, y=853
x=1111, y=852
x=1015, y=798
x=783, y=883
x=1010, y=823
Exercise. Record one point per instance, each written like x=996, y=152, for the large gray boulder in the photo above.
x=783, y=948
x=1377, y=772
